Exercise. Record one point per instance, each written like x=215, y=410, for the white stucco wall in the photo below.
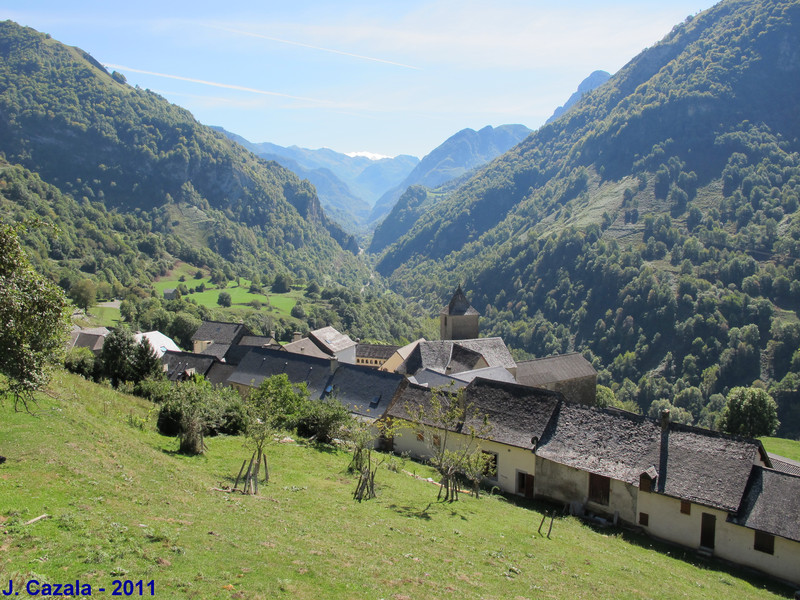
x=510, y=459
x=566, y=484
x=731, y=542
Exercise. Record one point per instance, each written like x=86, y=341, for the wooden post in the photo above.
x=544, y=516
x=244, y=462
x=553, y=516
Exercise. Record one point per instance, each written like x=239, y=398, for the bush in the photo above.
x=80, y=361
x=323, y=420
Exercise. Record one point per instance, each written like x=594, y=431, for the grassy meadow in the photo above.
x=121, y=503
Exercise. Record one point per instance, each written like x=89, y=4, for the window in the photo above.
x=437, y=441
x=645, y=483
x=686, y=507
x=421, y=436
x=599, y=489
x=644, y=519
x=764, y=542
x=490, y=469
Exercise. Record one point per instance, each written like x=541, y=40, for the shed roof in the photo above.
x=563, y=367
x=771, y=503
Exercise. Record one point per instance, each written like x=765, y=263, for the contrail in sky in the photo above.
x=302, y=45
x=215, y=84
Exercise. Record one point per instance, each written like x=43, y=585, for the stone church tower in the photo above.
x=458, y=320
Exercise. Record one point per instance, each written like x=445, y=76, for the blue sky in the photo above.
x=384, y=76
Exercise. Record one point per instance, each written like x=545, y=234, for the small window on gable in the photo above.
x=421, y=436
x=644, y=519
x=645, y=483
x=437, y=441
x=764, y=542
x=599, y=489
x=686, y=507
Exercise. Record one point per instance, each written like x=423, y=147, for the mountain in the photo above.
x=593, y=81
x=457, y=155
x=348, y=186
x=653, y=227
x=97, y=139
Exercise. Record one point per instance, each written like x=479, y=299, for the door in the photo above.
x=708, y=530
x=528, y=485
x=525, y=484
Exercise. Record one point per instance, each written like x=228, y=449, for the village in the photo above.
x=721, y=495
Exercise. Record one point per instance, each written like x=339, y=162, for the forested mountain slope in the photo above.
x=63, y=116
x=653, y=227
x=457, y=155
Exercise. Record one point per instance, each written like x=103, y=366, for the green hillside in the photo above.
x=121, y=504
x=87, y=132
x=653, y=227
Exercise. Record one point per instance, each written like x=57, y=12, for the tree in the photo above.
x=33, y=322
x=84, y=294
x=275, y=404
x=123, y=359
x=749, y=412
x=452, y=429
x=282, y=283
x=192, y=408
x=224, y=299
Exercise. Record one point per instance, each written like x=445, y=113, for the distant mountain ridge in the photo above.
x=456, y=156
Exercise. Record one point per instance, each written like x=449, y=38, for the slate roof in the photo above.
x=364, y=391
x=217, y=350
x=616, y=444
x=693, y=464
x=459, y=305
x=330, y=340
x=542, y=371
x=305, y=347
x=433, y=379
x=771, y=503
x=379, y=351
x=707, y=467
x=491, y=373
x=261, y=363
x=458, y=356
x=516, y=413
x=493, y=349
x=219, y=373
x=259, y=341
x=785, y=465
x=178, y=363
x=220, y=333
x=81, y=339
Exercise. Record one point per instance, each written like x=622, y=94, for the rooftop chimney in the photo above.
x=665, y=418
x=297, y=336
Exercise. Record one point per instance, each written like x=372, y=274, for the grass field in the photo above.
x=786, y=448
x=241, y=297
x=123, y=505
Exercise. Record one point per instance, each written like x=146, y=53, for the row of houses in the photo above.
x=721, y=495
